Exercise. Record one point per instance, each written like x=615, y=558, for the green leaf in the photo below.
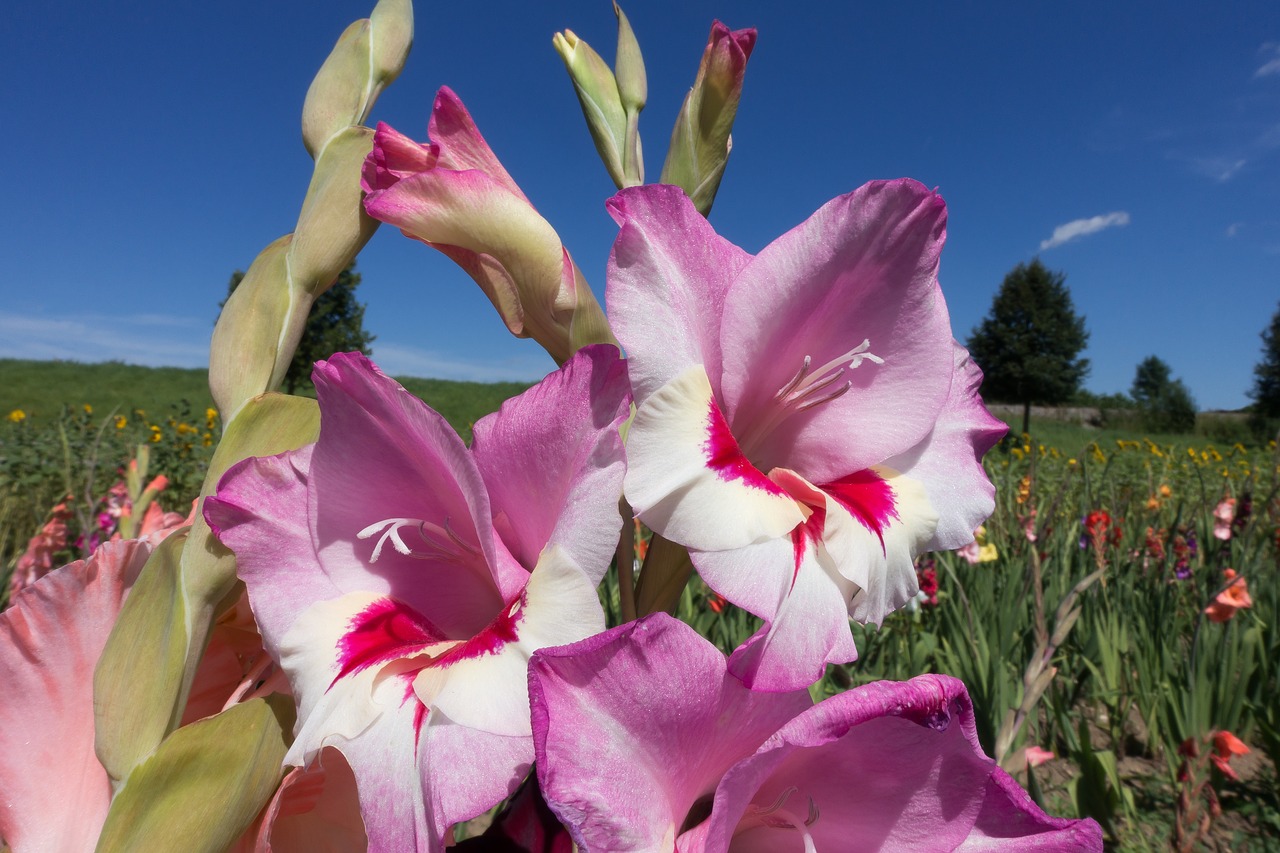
x=205, y=784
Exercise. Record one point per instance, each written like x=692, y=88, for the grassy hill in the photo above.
x=43, y=389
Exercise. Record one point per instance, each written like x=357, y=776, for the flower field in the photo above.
x=1117, y=623
x=1118, y=628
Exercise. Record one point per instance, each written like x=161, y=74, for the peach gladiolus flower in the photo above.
x=1234, y=597
x=1036, y=756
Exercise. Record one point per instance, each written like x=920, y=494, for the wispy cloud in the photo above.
x=151, y=339
x=1078, y=228
x=1220, y=169
x=175, y=341
x=1270, y=60
x=401, y=360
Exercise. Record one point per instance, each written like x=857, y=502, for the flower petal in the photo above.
x=687, y=479
x=884, y=766
x=668, y=275
x=460, y=144
x=476, y=213
x=559, y=441
x=877, y=521
x=56, y=793
x=315, y=808
x=949, y=461
x=488, y=691
x=863, y=267
x=373, y=718
x=634, y=725
x=807, y=628
x=383, y=455
x=260, y=514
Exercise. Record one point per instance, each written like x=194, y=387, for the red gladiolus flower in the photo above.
x=1225, y=745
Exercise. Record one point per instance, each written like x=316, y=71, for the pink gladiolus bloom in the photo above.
x=402, y=580
x=1223, y=514
x=645, y=742
x=806, y=424
x=454, y=195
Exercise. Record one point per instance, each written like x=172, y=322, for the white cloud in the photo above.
x=1234, y=228
x=1271, y=63
x=1080, y=227
x=150, y=339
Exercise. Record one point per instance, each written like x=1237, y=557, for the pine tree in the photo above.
x=1266, y=379
x=1029, y=345
x=335, y=324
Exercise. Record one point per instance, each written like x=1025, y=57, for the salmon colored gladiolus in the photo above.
x=1234, y=597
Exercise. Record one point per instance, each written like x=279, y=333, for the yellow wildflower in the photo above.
x=156, y=435
x=121, y=421
x=17, y=416
x=88, y=410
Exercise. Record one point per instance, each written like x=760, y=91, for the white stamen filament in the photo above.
x=441, y=542
x=811, y=388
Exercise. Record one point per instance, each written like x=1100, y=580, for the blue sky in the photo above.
x=151, y=149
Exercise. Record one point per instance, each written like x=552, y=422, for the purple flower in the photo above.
x=806, y=424
x=402, y=580
x=646, y=742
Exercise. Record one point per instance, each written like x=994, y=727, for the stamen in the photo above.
x=440, y=542
x=776, y=817
x=807, y=389
x=795, y=380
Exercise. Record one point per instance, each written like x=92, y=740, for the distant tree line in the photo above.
x=1030, y=343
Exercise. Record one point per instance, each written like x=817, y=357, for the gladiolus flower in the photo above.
x=806, y=424
x=1223, y=514
x=1037, y=755
x=454, y=195
x=980, y=550
x=402, y=580
x=1225, y=745
x=1234, y=597
x=646, y=742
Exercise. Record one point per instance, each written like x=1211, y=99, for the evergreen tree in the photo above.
x=1266, y=379
x=335, y=324
x=1164, y=403
x=1029, y=345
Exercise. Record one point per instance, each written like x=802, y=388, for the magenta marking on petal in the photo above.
x=491, y=640
x=725, y=457
x=419, y=710
x=809, y=530
x=868, y=497
x=383, y=631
